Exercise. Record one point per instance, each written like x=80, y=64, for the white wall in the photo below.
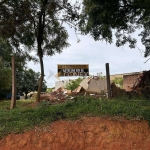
x=94, y=85
x=59, y=84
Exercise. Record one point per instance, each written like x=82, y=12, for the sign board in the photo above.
x=73, y=70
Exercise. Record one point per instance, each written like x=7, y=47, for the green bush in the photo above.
x=5, y=77
x=118, y=81
x=73, y=84
x=49, y=90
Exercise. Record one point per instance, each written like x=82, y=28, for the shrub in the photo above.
x=73, y=84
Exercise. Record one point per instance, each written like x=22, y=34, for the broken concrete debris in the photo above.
x=136, y=85
x=57, y=96
x=94, y=87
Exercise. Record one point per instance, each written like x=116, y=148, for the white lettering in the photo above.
x=82, y=70
x=64, y=70
x=77, y=70
x=73, y=70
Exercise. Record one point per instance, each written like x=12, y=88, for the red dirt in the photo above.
x=92, y=133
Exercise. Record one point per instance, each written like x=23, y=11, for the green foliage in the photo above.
x=49, y=90
x=5, y=104
x=25, y=117
x=73, y=84
x=5, y=52
x=102, y=19
x=27, y=81
x=118, y=81
x=5, y=77
x=44, y=31
x=40, y=29
x=5, y=67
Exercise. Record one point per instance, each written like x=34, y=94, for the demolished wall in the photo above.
x=130, y=80
x=60, y=84
x=94, y=85
x=134, y=85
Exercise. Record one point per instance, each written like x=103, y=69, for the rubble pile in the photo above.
x=57, y=96
x=143, y=81
x=141, y=88
x=142, y=85
x=94, y=87
x=78, y=91
x=118, y=92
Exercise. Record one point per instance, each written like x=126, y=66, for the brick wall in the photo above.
x=130, y=80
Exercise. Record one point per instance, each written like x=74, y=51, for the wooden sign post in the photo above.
x=108, y=81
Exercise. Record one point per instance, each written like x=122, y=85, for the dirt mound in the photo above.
x=84, y=134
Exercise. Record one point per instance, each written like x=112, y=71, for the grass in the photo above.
x=24, y=117
x=5, y=104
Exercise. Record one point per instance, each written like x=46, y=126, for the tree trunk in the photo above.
x=13, y=96
x=40, y=51
x=26, y=95
x=41, y=79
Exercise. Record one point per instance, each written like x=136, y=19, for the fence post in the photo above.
x=13, y=96
x=108, y=81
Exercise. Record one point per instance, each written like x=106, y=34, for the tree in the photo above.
x=14, y=93
x=103, y=18
x=118, y=81
x=39, y=25
x=13, y=22
x=5, y=77
x=6, y=54
x=5, y=68
x=27, y=81
x=13, y=16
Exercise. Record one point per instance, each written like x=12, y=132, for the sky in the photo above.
x=96, y=54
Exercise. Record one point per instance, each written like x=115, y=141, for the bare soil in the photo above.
x=87, y=133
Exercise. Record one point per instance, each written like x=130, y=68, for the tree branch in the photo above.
x=147, y=60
